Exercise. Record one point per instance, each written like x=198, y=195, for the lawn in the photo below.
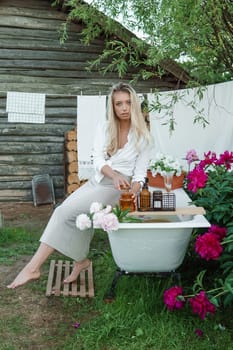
x=135, y=320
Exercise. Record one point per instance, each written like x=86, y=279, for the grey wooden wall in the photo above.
x=31, y=149
x=33, y=60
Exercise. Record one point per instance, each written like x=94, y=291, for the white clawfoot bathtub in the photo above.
x=155, y=246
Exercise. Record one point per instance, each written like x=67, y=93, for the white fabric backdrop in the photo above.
x=217, y=136
x=91, y=110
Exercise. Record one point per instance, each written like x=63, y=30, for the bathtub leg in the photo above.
x=176, y=277
x=110, y=295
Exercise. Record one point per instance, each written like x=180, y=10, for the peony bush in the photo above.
x=210, y=185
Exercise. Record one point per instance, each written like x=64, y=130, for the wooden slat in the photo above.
x=57, y=288
x=74, y=291
x=90, y=281
x=82, y=284
x=178, y=211
x=67, y=272
x=83, y=287
x=50, y=277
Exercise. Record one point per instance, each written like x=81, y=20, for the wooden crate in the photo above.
x=59, y=270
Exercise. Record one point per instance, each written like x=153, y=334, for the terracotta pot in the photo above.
x=158, y=180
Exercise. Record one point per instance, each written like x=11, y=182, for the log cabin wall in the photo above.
x=33, y=60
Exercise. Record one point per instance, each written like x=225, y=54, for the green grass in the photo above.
x=136, y=320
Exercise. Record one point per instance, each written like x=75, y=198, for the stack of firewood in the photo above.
x=71, y=178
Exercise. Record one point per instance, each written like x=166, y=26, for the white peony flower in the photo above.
x=96, y=207
x=83, y=222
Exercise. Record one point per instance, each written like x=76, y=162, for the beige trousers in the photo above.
x=61, y=232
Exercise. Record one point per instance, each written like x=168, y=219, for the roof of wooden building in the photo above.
x=33, y=59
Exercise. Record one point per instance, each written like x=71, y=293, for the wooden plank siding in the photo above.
x=33, y=60
x=31, y=149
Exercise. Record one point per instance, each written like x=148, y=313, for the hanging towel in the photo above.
x=217, y=136
x=90, y=111
x=24, y=107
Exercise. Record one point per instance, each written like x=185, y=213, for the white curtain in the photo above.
x=91, y=110
x=217, y=136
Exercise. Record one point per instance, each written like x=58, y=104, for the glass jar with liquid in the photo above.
x=126, y=200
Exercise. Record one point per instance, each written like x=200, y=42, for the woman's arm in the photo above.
x=118, y=179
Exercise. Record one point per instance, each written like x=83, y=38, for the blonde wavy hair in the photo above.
x=138, y=124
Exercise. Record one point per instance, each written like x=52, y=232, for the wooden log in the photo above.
x=11, y=139
x=29, y=148
x=71, y=145
x=73, y=179
x=22, y=129
x=16, y=195
x=71, y=135
x=29, y=159
x=72, y=167
x=22, y=183
x=70, y=156
x=41, y=54
x=41, y=44
x=8, y=170
x=71, y=188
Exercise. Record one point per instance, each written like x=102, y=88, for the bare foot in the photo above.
x=23, y=277
x=78, y=267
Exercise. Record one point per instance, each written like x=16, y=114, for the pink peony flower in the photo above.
x=208, y=246
x=196, y=179
x=191, y=156
x=210, y=158
x=110, y=222
x=83, y=222
x=173, y=298
x=201, y=305
x=226, y=159
x=220, y=232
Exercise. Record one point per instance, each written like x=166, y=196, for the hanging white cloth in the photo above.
x=25, y=107
x=217, y=136
x=91, y=110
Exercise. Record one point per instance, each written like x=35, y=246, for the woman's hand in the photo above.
x=120, y=181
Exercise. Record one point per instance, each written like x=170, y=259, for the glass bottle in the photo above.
x=168, y=178
x=157, y=200
x=145, y=197
x=126, y=200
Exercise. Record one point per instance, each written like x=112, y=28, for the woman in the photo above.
x=121, y=154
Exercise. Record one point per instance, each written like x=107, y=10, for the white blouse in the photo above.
x=131, y=160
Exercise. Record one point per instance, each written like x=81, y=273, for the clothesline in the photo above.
x=68, y=95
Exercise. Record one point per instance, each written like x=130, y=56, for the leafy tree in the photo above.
x=196, y=33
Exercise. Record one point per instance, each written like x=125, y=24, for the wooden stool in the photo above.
x=83, y=287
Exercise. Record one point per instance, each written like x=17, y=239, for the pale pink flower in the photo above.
x=191, y=156
x=96, y=207
x=98, y=219
x=83, y=222
x=110, y=222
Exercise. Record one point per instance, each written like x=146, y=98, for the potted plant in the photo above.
x=163, y=166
